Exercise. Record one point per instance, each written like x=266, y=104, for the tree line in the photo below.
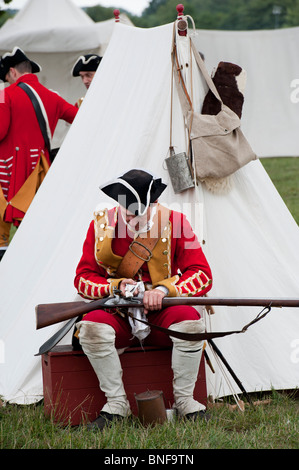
x=207, y=14
x=214, y=14
x=4, y=15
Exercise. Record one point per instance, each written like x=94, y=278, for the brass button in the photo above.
x=165, y=265
x=102, y=225
x=164, y=240
x=165, y=252
x=101, y=239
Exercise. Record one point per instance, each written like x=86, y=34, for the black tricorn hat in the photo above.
x=11, y=59
x=135, y=190
x=86, y=63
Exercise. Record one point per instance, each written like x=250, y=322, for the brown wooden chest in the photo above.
x=71, y=390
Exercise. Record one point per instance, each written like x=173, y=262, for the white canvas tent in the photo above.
x=271, y=108
x=251, y=240
x=54, y=33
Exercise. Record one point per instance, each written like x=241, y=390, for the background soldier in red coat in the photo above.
x=159, y=243
x=24, y=158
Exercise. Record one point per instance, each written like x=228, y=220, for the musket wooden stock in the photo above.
x=49, y=314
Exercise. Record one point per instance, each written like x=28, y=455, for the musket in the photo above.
x=49, y=314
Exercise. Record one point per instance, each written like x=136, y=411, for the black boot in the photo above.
x=104, y=419
x=198, y=415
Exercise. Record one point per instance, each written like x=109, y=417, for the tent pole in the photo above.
x=238, y=382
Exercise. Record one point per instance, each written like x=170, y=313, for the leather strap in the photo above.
x=39, y=114
x=181, y=87
x=201, y=336
x=141, y=249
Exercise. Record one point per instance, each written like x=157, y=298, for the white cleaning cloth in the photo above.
x=139, y=329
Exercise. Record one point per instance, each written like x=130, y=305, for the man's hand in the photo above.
x=152, y=300
x=122, y=286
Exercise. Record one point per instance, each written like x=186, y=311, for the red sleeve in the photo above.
x=68, y=111
x=90, y=280
x=196, y=278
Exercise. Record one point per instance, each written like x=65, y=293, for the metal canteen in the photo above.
x=179, y=171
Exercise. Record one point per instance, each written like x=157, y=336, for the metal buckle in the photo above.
x=143, y=246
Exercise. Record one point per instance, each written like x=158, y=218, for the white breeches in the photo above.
x=98, y=343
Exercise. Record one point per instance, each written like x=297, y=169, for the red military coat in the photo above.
x=21, y=141
x=178, y=261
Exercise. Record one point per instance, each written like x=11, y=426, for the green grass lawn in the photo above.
x=284, y=172
x=271, y=426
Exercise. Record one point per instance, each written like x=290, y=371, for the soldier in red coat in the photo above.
x=143, y=249
x=24, y=158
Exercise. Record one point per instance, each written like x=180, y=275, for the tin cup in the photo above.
x=151, y=407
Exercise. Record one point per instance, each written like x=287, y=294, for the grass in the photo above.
x=284, y=173
x=271, y=426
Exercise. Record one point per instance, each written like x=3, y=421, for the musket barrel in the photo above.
x=232, y=302
x=49, y=314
